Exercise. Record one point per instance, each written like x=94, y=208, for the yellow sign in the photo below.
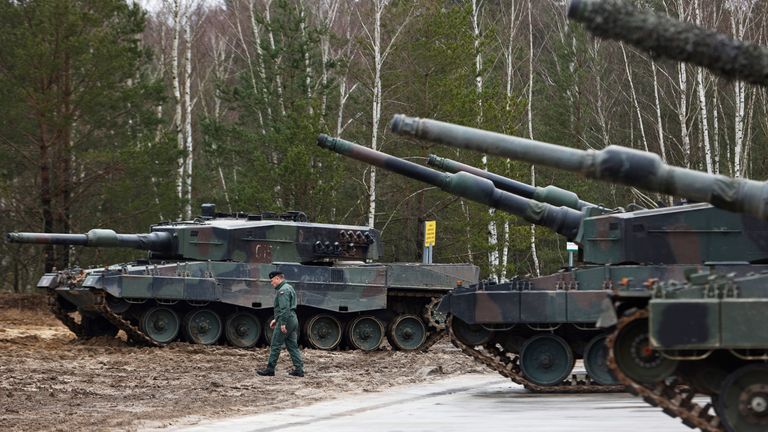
x=430, y=228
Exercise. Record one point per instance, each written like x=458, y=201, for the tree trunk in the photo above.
x=634, y=98
x=278, y=59
x=682, y=104
x=189, y=153
x=176, y=80
x=534, y=255
x=703, y=110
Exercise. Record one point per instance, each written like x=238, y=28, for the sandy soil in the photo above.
x=52, y=381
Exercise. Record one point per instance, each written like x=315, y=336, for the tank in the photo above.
x=532, y=329
x=680, y=335
x=206, y=281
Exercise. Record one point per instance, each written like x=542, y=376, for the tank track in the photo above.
x=508, y=365
x=434, y=332
x=63, y=316
x=674, y=399
x=433, y=337
x=134, y=334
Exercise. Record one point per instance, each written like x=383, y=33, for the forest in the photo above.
x=117, y=116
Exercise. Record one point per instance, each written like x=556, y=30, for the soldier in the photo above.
x=286, y=327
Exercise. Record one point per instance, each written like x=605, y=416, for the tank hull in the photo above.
x=340, y=292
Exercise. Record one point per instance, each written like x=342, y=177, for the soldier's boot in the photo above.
x=266, y=372
x=296, y=373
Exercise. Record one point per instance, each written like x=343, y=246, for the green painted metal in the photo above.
x=546, y=359
x=243, y=329
x=743, y=403
x=596, y=361
x=222, y=261
x=548, y=194
x=672, y=39
x=619, y=250
x=366, y=333
x=407, y=332
x=636, y=357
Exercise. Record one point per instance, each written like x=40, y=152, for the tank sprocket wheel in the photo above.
x=546, y=359
x=743, y=399
x=634, y=355
x=202, y=326
x=242, y=329
x=406, y=332
x=432, y=317
x=161, y=324
x=365, y=333
x=669, y=395
x=323, y=332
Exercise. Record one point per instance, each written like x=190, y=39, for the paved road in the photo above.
x=464, y=403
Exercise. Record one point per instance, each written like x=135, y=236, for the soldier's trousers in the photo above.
x=290, y=340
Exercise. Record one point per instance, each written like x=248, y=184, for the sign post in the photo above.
x=430, y=230
x=571, y=247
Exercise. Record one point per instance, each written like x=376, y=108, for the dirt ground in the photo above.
x=52, y=381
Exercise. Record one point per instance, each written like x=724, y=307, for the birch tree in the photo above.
x=508, y=106
x=493, y=238
x=682, y=101
x=176, y=80
x=379, y=54
x=703, y=109
x=534, y=256
x=739, y=14
x=188, y=147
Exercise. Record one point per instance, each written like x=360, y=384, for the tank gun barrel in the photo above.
x=549, y=194
x=562, y=220
x=664, y=36
x=613, y=164
x=157, y=241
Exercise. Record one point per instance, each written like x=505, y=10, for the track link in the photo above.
x=63, y=316
x=672, y=397
x=134, y=334
x=508, y=365
x=435, y=330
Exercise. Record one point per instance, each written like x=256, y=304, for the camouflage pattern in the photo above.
x=667, y=37
x=695, y=331
x=646, y=246
x=221, y=263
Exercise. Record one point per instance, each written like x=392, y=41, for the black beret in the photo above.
x=275, y=273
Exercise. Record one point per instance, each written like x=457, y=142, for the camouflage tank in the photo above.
x=671, y=340
x=532, y=329
x=206, y=280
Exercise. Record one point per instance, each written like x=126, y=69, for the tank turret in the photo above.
x=241, y=237
x=664, y=36
x=548, y=194
x=562, y=220
x=614, y=164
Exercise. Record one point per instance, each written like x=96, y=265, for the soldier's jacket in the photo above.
x=285, y=303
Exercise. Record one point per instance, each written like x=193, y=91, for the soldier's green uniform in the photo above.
x=285, y=314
